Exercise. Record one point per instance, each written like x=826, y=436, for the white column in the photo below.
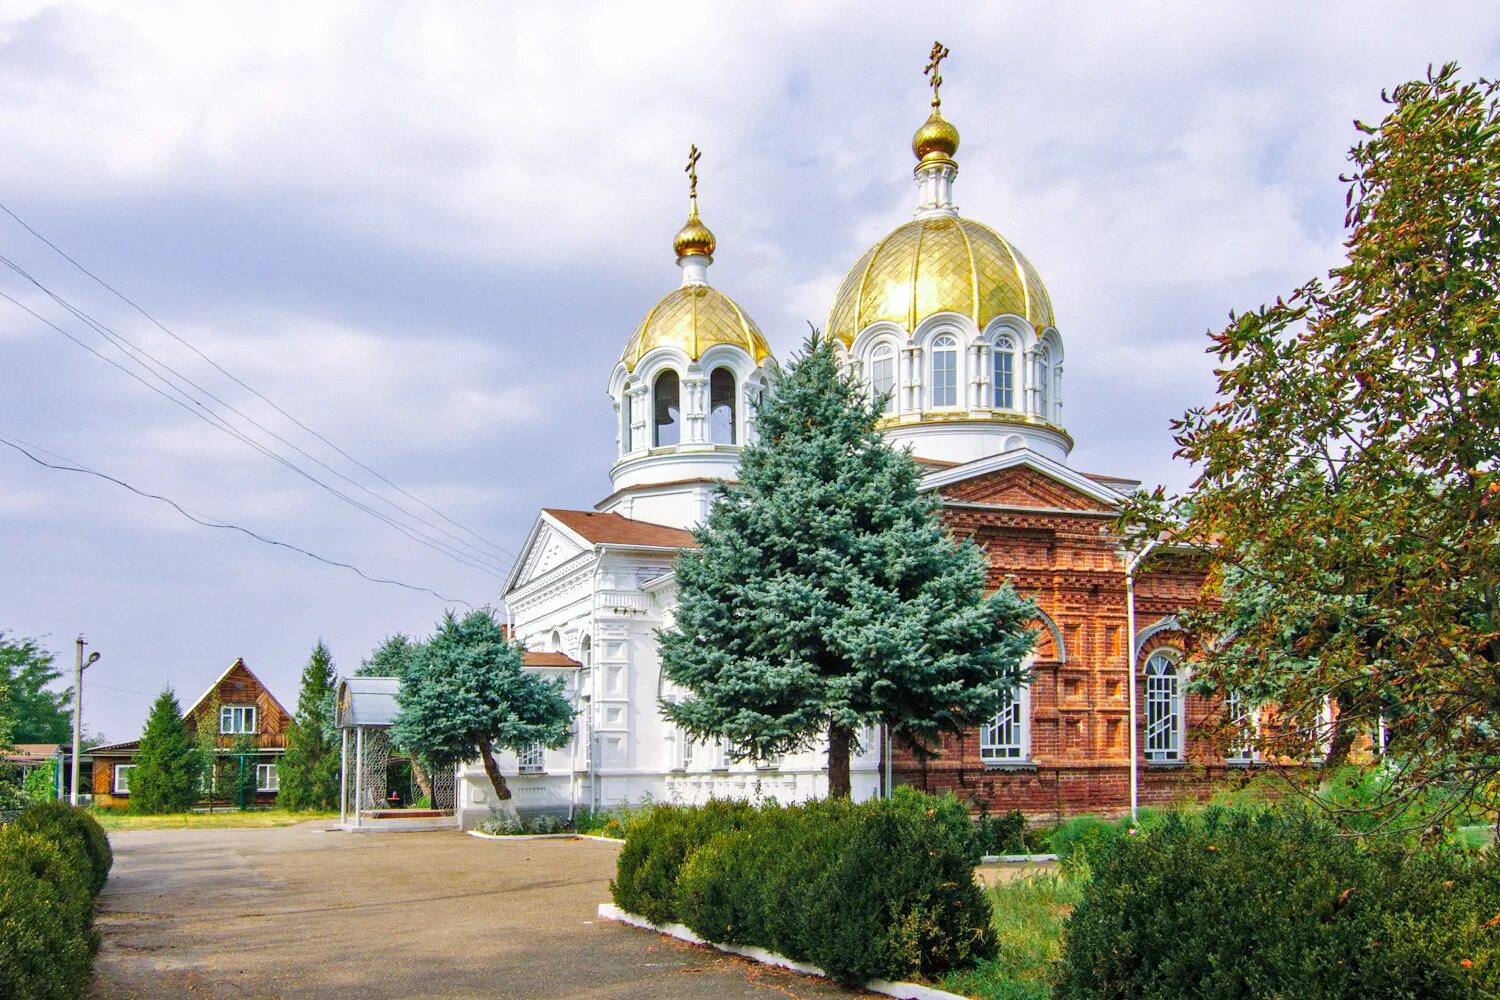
x=343, y=773
x=359, y=767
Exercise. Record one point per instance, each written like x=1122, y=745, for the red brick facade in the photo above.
x=1054, y=543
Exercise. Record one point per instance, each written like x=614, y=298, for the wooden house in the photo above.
x=247, y=728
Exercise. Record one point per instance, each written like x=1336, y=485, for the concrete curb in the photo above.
x=1011, y=859
x=903, y=991
x=542, y=836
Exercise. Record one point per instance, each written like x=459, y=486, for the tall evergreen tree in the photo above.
x=309, y=770
x=465, y=695
x=169, y=765
x=825, y=594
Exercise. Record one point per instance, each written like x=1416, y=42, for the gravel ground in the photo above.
x=305, y=912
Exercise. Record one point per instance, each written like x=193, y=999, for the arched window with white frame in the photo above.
x=1239, y=718
x=721, y=408
x=1044, y=382
x=666, y=403
x=883, y=377
x=945, y=371
x=1007, y=737
x=1003, y=386
x=1164, y=708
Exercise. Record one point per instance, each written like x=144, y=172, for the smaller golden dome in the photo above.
x=937, y=139
x=694, y=239
x=692, y=319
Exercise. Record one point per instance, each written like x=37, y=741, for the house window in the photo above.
x=721, y=406
x=945, y=371
x=1241, y=720
x=266, y=779
x=1005, y=374
x=122, y=778
x=586, y=652
x=685, y=751
x=666, y=402
x=1163, y=709
x=1006, y=736
x=236, y=719
x=883, y=377
x=530, y=760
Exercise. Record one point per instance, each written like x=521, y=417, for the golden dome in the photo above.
x=937, y=139
x=942, y=263
x=694, y=318
x=694, y=238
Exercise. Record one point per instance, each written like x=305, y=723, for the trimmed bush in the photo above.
x=73, y=830
x=1277, y=904
x=47, y=941
x=881, y=889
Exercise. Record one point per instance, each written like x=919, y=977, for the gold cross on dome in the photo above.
x=692, y=172
x=934, y=78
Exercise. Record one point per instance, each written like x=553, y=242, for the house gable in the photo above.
x=238, y=686
x=1023, y=479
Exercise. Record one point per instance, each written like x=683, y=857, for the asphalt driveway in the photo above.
x=304, y=912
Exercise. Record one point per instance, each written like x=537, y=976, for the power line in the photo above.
x=152, y=364
x=224, y=525
x=263, y=398
x=213, y=419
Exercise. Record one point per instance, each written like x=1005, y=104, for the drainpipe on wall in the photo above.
x=1135, y=767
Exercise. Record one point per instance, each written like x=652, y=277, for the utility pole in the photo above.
x=78, y=668
x=1131, y=562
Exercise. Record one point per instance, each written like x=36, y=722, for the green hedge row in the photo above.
x=1277, y=904
x=876, y=890
x=53, y=861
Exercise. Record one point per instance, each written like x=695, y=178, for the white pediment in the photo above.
x=548, y=547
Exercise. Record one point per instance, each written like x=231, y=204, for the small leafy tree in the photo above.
x=38, y=713
x=465, y=695
x=826, y=595
x=1348, y=494
x=309, y=770
x=40, y=783
x=168, y=766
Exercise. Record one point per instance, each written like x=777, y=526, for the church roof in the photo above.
x=615, y=529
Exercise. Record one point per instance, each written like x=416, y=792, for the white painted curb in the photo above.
x=542, y=836
x=1011, y=859
x=904, y=991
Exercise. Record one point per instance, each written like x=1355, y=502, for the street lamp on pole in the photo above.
x=78, y=668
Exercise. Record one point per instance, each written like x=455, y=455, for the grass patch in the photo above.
x=1029, y=913
x=260, y=818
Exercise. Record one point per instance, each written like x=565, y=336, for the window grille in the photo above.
x=1004, y=738
x=1163, y=709
x=531, y=760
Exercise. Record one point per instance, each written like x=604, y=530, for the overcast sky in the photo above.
x=427, y=234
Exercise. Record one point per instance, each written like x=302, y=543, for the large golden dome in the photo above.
x=941, y=263
x=694, y=318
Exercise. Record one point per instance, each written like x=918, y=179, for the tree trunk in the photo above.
x=839, y=738
x=423, y=782
x=503, y=804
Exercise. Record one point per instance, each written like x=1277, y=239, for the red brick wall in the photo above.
x=1053, y=545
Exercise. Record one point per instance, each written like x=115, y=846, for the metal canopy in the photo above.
x=367, y=702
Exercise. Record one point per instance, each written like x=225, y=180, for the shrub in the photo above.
x=1277, y=904
x=73, y=830
x=645, y=879
x=1003, y=834
x=877, y=890
x=47, y=941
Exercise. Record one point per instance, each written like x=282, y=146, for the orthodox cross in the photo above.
x=692, y=172
x=936, y=57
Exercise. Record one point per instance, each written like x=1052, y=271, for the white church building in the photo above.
x=944, y=315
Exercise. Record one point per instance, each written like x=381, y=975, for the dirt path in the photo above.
x=300, y=912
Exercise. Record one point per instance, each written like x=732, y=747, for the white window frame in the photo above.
x=1164, y=709
x=532, y=760
x=267, y=778
x=945, y=343
x=1044, y=382
x=231, y=716
x=122, y=771
x=1243, y=723
x=1006, y=738
x=685, y=747
x=1004, y=350
x=883, y=354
